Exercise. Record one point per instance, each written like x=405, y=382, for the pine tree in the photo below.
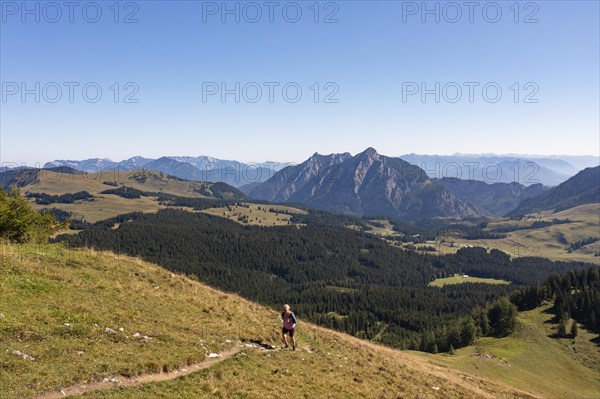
x=451, y=350
x=562, y=327
x=574, y=329
x=19, y=223
x=502, y=317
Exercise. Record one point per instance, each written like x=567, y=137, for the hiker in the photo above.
x=289, y=326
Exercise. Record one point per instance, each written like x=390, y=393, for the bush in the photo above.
x=19, y=223
x=451, y=350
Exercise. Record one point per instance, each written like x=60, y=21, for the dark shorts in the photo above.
x=286, y=331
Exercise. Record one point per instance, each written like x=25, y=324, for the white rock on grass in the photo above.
x=23, y=355
x=109, y=330
x=213, y=355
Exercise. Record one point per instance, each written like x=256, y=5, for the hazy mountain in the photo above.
x=580, y=162
x=183, y=170
x=492, y=199
x=231, y=172
x=494, y=169
x=367, y=184
x=92, y=165
x=134, y=163
x=583, y=188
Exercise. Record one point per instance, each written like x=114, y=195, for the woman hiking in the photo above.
x=289, y=326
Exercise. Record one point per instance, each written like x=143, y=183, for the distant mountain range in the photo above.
x=498, y=169
x=583, y=188
x=371, y=184
x=490, y=168
x=368, y=184
x=201, y=168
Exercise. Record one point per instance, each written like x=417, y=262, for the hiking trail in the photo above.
x=122, y=382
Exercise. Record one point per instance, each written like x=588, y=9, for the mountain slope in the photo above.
x=583, y=188
x=366, y=184
x=492, y=199
x=57, y=335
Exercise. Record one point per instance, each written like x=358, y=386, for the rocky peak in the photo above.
x=370, y=153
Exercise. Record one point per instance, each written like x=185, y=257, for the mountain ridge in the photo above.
x=367, y=184
x=495, y=199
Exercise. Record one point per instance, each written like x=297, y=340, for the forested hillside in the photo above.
x=336, y=276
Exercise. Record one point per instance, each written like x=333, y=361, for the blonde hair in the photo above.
x=286, y=307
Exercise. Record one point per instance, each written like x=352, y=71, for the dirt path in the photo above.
x=144, y=378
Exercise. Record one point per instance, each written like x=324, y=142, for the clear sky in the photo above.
x=362, y=67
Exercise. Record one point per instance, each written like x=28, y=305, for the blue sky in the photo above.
x=364, y=66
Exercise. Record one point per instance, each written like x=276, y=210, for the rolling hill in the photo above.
x=368, y=184
x=583, y=188
x=64, y=180
x=85, y=323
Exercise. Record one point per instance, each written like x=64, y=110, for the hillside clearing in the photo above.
x=440, y=282
x=257, y=215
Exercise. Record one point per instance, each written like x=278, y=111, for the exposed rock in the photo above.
x=23, y=355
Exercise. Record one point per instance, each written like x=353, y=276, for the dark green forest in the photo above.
x=332, y=275
x=69, y=198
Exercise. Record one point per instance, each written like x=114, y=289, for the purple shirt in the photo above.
x=289, y=322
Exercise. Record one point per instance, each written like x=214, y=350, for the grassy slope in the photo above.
x=533, y=361
x=544, y=241
x=109, y=205
x=440, y=282
x=55, y=305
